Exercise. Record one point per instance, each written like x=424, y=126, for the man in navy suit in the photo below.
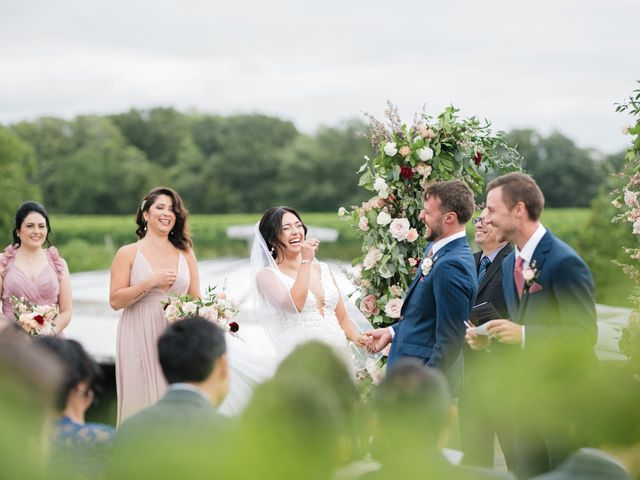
x=549, y=293
x=440, y=297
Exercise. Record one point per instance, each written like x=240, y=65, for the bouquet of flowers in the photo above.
x=34, y=319
x=215, y=307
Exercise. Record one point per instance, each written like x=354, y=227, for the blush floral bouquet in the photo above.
x=215, y=307
x=34, y=319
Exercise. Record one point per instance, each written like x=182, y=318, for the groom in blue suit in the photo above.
x=549, y=293
x=440, y=297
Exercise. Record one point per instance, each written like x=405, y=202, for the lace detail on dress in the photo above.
x=8, y=256
x=56, y=262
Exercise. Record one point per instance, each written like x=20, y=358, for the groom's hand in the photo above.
x=505, y=331
x=380, y=338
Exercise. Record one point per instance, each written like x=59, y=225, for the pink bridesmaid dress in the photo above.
x=139, y=379
x=44, y=289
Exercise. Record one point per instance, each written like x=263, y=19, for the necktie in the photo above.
x=484, y=266
x=518, y=276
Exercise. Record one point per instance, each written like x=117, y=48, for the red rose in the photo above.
x=477, y=158
x=406, y=172
x=39, y=319
x=234, y=327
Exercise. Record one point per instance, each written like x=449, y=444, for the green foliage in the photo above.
x=569, y=176
x=408, y=157
x=17, y=162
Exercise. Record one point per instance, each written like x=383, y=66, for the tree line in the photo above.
x=242, y=163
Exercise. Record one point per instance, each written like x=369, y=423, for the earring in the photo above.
x=171, y=232
x=272, y=250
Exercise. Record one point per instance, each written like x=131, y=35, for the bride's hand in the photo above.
x=308, y=248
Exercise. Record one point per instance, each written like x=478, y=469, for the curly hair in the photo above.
x=180, y=235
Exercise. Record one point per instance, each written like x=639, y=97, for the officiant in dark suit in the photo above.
x=441, y=295
x=549, y=292
x=478, y=420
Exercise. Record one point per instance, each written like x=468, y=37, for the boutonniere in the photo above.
x=427, y=265
x=530, y=275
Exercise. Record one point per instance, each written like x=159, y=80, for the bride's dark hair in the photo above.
x=270, y=225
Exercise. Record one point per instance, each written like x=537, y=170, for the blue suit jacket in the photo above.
x=563, y=312
x=435, y=308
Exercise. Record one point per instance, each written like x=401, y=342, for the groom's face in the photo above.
x=431, y=216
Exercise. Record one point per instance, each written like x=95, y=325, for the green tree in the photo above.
x=17, y=163
x=568, y=175
x=319, y=173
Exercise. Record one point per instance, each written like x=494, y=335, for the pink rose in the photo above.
x=393, y=308
x=427, y=132
x=412, y=235
x=404, y=151
x=413, y=262
x=399, y=228
x=363, y=224
x=373, y=256
x=368, y=306
x=396, y=291
x=629, y=198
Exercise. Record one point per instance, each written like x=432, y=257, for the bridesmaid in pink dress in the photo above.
x=31, y=271
x=142, y=276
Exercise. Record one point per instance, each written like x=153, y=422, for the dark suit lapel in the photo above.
x=493, y=268
x=508, y=287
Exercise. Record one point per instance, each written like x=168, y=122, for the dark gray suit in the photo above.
x=157, y=441
x=586, y=464
x=477, y=424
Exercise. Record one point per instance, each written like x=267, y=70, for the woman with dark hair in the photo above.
x=29, y=270
x=297, y=296
x=143, y=274
x=77, y=447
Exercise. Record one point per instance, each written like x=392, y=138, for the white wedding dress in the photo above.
x=286, y=327
x=315, y=322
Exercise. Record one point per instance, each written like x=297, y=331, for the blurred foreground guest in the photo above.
x=28, y=380
x=179, y=436
x=413, y=406
x=549, y=293
x=296, y=424
x=481, y=418
x=78, y=449
x=36, y=274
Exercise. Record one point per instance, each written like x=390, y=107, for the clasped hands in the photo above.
x=504, y=331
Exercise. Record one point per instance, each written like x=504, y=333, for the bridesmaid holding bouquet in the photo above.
x=35, y=280
x=143, y=274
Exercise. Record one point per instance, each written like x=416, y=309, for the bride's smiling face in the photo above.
x=291, y=233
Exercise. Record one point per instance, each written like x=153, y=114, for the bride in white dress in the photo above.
x=296, y=298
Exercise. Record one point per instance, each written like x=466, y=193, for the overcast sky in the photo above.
x=546, y=64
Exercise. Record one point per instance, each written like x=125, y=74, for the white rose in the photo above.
x=412, y=235
x=342, y=211
x=393, y=308
x=390, y=148
x=210, y=312
x=383, y=218
x=424, y=170
x=171, y=313
x=425, y=154
x=379, y=184
x=363, y=224
x=629, y=198
x=373, y=256
x=384, y=272
x=528, y=274
x=427, y=263
x=399, y=228
x=189, y=307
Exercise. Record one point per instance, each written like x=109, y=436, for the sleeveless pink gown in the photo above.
x=139, y=379
x=43, y=290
